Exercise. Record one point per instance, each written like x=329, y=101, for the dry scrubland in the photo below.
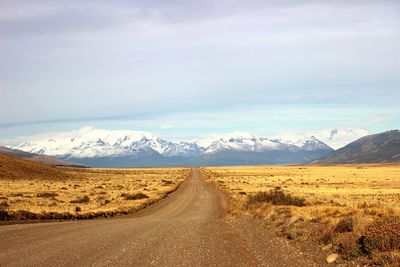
x=352, y=210
x=86, y=193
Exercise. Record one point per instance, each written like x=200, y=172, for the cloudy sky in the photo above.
x=183, y=69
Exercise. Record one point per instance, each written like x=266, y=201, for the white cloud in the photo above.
x=338, y=138
x=335, y=138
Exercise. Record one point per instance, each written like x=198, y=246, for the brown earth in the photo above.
x=188, y=228
x=15, y=168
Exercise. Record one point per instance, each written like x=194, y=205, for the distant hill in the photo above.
x=17, y=168
x=48, y=160
x=376, y=148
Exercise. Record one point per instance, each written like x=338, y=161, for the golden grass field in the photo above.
x=352, y=210
x=338, y=186
x=91, y=190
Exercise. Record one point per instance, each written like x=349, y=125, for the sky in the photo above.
x=184, y=69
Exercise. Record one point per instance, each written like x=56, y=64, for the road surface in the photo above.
x=185, y=229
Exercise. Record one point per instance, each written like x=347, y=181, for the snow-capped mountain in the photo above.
x=122, y=148
x=91, y=143
x=308, y=143
x=249, y=143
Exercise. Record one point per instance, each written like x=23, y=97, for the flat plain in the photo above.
x=259, y=216
x=88, y=191
x=352, y=210
x=338, y=186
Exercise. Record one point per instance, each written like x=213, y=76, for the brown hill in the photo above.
x=376, y=148
x=48, y=160
x=16, y=168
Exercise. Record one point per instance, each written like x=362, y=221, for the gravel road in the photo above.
x=188, y=228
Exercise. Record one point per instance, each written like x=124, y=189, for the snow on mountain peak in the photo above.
x=91, y=142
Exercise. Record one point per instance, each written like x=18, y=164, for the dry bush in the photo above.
x=294, y=232
x=84, y=199
x=17, y=194
x=134, y=196
x=391, y=258
x=47, y=194
x=23, y=215
x=323, y=234
x=276, y=196
x=382, y=235
x=4, y=205
x=348, y=245
x=345, y=225
x=4, y=210
x=166, y=182
x=4, y=215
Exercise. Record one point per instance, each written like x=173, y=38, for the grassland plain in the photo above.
x=351, y=210
x=86, y=193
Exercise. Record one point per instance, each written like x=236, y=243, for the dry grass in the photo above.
x=347, y=206
x=88, y=192
x=345, y=188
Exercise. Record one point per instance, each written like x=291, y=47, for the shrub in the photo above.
x=348, y=245
x=166, y=182
x=84, y=199
x=382, y=235
x=4, y=205
x=4, y=215
x=293, y=233
x=47, y=194
x=386, y=259
x=24, y=215
x=78, y=209
x=277, y=197
x=323, y=234
x=344, y=225
x=134, y=196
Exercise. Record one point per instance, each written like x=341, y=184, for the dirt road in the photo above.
x=187, y=228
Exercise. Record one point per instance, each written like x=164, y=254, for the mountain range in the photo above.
x=105, y=148
x=376, y=148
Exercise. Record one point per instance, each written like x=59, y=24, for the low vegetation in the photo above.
x=276, y=196
x=351, y=210
x=85, y=193
x=134, y=196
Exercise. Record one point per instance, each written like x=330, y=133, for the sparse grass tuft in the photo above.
x=389, y=259
x=134, y=196
x=4, y=205
x=294, y=232
x=47, y=194
x=382, y=235
x=345, y=225
x=276, y=196
x=83, y=200
x=348, y=245
x=166, y=182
